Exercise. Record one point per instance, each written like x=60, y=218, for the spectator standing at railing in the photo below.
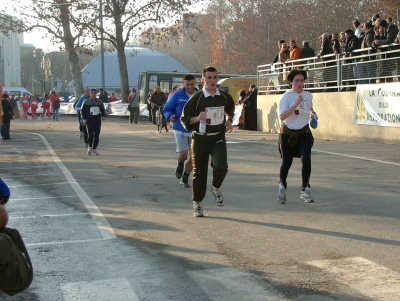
x=276, y=59
x=283, y=56
x=375, y=18
x=357, y=28
x=391, y=32
x=337, y=48
x=103, y=96
x=307, y=51
x=370, y=67
x=354, y=43
x=327, y=50
x=295, y=52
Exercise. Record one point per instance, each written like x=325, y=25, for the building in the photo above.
x=137, y=59
x=10, y=63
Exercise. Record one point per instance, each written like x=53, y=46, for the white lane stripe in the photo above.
x=28, y=167
x=372, y=280
x=47, y=215
x=47, y=243
x=31, y=175
x=46, y=197
x=40, y=184
x=357, y=157
x=102, y=223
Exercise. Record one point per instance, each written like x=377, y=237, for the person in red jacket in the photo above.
x=55, y=105
x=34, y=106
x=46, y=105
x=25, y=106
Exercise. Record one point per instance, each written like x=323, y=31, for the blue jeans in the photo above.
x=55, y=114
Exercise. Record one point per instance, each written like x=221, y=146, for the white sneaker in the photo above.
x=282, y=194
x=197, y=209
x=219, y=198
x=306, y=196
x=89, y=151
x=95, y=153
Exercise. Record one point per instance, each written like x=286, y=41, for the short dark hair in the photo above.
x=350, y=32
x=208, y=69
x=294, y=72
x=281, y=41
x=188, y=77
x=389, y=19
x=368, y=25
x=356, y=23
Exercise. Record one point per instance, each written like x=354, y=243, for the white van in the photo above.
x=16, y=91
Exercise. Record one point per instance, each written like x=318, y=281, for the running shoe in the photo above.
x=306, y=196
x=185, y=181
x=219, y=199
x=282, y=194
x=95, y=153
x=89, y=151
x=179, y=171
x=197, y=209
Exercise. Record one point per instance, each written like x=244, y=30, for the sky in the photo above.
x=35, y=37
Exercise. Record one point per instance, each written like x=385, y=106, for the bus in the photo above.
x=168, y=80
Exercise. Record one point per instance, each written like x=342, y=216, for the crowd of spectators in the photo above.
x=363, y=66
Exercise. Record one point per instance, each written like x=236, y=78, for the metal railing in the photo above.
x=333, y=73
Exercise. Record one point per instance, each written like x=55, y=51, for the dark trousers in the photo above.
x=134, y=114
x=201, y=151
x=93, y=131
x=153, y=113
x=303, y=150
x=5, y=130
x=82, y=128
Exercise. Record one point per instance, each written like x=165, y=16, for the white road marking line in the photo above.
x=102, y=223
x=357, y=157
x=29, y=167
x=47, y=243
x=31, y=175
x=47, y=215
x=372, y=280
x=46, y=197
x=36, y=185
x=116, y=289
x=234, y=284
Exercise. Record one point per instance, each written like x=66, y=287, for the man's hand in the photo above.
x=229, y=126
x=172, y=118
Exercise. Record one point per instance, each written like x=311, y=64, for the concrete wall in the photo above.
x=335, y=119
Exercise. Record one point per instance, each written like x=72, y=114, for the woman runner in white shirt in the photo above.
x=296, y=139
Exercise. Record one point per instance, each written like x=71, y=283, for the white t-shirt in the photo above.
x=294, y=121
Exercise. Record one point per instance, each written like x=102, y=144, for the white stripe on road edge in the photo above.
x=372, y=280
x=47, y=215
x=356, y=157
x=45, y=197
x=94, y=211
x=47, y=243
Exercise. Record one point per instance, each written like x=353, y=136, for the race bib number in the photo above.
x=94, y=110
x=215, y=115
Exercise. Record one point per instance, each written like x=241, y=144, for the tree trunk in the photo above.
x=123, y=69
x=70, y=49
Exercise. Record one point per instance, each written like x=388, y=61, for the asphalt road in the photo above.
x=120, y=227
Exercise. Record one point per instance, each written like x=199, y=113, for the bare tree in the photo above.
x=125, y=20
x=54, y=17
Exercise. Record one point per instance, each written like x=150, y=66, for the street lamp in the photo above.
x=101, y=45
x=268, y=41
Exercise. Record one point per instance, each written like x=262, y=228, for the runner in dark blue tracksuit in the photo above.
x=93, y=112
